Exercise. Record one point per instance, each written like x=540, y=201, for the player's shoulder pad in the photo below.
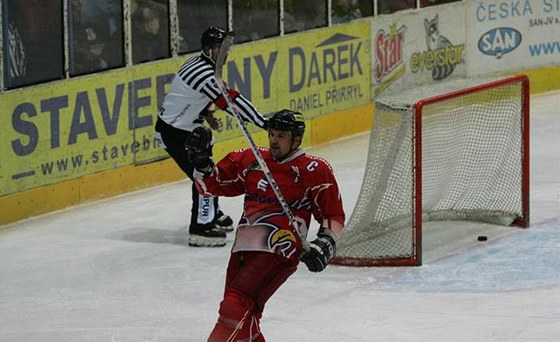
x=244, y=155
x=240, y=150
x=321, y=162
x=236, y=155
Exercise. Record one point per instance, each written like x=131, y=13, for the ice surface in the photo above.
x=121, y=270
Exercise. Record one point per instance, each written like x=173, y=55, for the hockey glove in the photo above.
x=321, y=251
x=198, y=144
x=199, y=139
x=202, y=161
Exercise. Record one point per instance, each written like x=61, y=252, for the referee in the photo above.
x=185, y=108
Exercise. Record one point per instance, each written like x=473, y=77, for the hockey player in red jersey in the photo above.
x=267, y=249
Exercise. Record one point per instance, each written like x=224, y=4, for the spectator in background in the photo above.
x=106, y=18
x=14, y=53
x=255, y=19
x=106, y=15
x=304, y=15
x=241, y=25
x=35, y=54
x=264, y=19
x=426, y=3
x=149, y=42
x=345, y=11
x=366, y=7
x=291, y=24
x=391, y=6
x=194, y=18
x=85, y=48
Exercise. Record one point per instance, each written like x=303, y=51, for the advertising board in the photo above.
x=414, y=48
x=67, y=129
x=512, y=35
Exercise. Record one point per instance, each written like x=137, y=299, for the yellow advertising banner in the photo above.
x=67, y=129
x=325, y=71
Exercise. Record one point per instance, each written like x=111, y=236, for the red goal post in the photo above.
x=457, y=150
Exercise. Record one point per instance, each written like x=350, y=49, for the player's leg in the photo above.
x=235, y=315
x=252, y=278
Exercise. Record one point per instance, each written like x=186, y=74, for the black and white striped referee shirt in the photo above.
x=192, y=90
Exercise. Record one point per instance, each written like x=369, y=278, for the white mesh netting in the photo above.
x=472, y=146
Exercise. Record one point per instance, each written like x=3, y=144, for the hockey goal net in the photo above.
x=453, y=151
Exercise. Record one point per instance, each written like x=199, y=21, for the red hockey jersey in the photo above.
x=307, y=183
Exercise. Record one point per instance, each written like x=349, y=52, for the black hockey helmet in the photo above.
x=288, y=120
x=213, y=36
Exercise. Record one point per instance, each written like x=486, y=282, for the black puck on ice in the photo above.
x=482, y=238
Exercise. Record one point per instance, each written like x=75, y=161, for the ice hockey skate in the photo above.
x=206, y=236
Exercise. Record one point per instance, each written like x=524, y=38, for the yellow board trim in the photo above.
x=49, y=198
x=544, y=80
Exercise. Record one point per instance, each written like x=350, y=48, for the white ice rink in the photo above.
x=120, y=270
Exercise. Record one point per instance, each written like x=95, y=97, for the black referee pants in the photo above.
x=204, y=208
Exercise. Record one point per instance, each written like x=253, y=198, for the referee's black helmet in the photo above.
x=213, y=36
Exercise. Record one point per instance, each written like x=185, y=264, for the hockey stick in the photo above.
x=221, y=59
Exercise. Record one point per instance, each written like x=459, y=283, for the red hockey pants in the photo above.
x=251, y=279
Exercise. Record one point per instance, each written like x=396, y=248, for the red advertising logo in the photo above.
x=388, y=51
